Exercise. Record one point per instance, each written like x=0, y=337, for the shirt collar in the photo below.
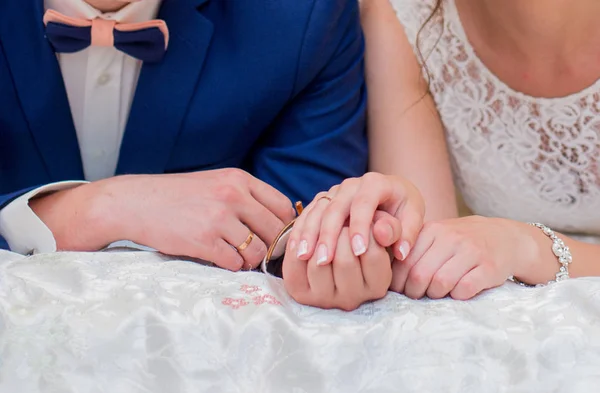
x=142, y=11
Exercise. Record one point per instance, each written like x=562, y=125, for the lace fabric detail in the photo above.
x=513, y=155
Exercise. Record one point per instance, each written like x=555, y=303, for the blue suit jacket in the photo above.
x=272, y=87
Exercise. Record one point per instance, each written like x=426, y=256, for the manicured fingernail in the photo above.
x=404, y=249
x=358, y=245
x=302, y=249
x=292, y=245
x=322, y=254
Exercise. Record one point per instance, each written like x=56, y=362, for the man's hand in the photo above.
x=346, y=283
x=203, y=215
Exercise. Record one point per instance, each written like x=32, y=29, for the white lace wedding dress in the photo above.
x=514, y=156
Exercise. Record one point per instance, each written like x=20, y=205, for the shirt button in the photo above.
x=103, y=79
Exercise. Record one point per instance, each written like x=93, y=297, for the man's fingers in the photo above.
x=220, y=253
x=249, y=245
x=259, y=219
x=272, y=199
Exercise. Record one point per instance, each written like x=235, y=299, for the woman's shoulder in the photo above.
x=422, y=21
x=413, y=14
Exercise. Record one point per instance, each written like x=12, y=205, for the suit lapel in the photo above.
x=40, y=87
x=165, y=89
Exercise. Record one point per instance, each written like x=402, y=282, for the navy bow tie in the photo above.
x=145, y=41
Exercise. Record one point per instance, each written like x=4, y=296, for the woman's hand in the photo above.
x=389, y=206
x=346, y=283
x=462, y=257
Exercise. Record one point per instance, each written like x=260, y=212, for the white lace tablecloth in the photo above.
x=139, y=322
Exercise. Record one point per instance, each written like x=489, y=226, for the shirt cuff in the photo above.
x=22, y=229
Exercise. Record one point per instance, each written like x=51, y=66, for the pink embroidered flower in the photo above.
x=249, y=289
x=234, y=303
x=270, y=299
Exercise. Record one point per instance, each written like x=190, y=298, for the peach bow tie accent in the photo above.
x=146, y=41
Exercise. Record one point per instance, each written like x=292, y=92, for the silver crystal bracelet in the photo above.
x=560, y=250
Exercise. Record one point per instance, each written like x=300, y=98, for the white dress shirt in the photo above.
x=100, y=84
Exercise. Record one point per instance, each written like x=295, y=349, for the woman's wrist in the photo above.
x=540, y=264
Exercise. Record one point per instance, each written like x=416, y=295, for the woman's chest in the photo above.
x=517, y=158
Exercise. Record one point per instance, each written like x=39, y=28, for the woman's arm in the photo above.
x=406, y=137
x=462, y=257
x=543, y=264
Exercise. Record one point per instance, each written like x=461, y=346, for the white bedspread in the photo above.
x=139, y=322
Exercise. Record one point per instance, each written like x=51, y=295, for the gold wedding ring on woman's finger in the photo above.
x=246, y=242
x=325, y=197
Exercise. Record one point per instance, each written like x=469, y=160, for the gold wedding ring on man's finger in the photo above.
x=246, y=242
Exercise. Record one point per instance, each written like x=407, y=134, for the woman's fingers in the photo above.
x=448, y=276
x=322, y=286
x=411, y=221
x=394, y=196
x=422, y=272
x=374, y=190
x=387, y=229
x=306, y=228
x=401, y=269
x=334, y=218
x=473, y=282
x=356, y=203
x=295, y=277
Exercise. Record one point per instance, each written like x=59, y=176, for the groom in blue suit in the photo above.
x=183, y=125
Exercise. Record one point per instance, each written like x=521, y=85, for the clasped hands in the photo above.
x=337, y=254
